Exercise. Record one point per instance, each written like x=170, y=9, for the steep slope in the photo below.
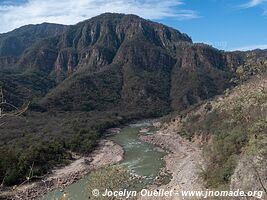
x=232, y=132
x=20, y=87
x=200, y=73
x=21, y=84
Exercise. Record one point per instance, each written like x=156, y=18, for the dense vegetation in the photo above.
x=32, y=147
x=18, y=165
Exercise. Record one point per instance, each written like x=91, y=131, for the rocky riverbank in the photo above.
x=184, y=161
x=107, y=153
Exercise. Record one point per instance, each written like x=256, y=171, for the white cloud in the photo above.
x=252, y=47
x=71, y=12
x=253, y=3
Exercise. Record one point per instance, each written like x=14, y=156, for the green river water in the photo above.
x=140, y=158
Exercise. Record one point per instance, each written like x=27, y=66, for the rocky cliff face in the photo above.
x=200, y=73
x=7, y=62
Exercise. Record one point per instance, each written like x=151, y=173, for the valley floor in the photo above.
x=107, y=153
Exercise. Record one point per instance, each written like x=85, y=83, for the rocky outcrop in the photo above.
x=66, y=63
x=7, y=62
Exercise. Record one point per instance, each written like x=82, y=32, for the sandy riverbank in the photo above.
x=184, y=161
x=107, y=153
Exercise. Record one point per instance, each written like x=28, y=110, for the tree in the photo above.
x=9, y=110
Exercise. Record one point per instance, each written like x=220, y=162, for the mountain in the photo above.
x=120, y=62
x=84, y=78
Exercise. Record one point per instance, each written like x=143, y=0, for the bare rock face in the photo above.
x=66, y=63
x=7, y=62
x=95, y=58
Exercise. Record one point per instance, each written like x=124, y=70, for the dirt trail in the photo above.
x=184, y=161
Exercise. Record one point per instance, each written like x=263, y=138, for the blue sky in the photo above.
x=225, y=24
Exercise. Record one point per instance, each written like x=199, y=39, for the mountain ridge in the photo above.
x=15, y=42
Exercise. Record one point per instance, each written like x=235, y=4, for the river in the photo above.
x=141, y=159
